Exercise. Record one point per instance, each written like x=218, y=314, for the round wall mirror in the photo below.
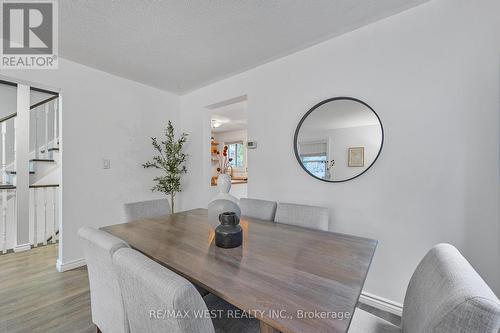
x=338, y=139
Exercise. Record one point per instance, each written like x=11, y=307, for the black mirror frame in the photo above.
x=295, y=137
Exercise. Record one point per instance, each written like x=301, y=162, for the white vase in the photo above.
x=224, y=183
x=223, y=201
x=224, y=186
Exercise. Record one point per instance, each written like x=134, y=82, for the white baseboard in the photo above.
x=381, y=303
x=63, y=267
x=22, y=247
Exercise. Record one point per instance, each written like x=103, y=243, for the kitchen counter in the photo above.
x=234, y=181
x=239, y=181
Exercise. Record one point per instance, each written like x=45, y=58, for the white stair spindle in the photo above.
x=56, y=104
x=36, y=134
x=4, y=192
x=15, y=148
x=4, y=159
x=4, y=221
x=45, y=229
x=35, y=219
x=54, y=216
x=14, y=214
x=47, y=131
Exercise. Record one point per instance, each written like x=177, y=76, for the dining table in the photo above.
x=292, y=279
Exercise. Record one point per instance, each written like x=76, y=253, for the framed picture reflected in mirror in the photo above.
x=356, y=157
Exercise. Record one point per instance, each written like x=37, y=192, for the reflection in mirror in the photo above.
x=338, y=139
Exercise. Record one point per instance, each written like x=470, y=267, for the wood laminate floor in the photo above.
x=36, y=298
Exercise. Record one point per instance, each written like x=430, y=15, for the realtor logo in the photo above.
x=29, y=34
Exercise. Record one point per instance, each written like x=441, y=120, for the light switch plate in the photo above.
x=106, y=164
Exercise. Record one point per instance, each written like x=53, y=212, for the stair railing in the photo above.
x=44, y=203
x=42, y=111
x=40, y=195
x=8, y=190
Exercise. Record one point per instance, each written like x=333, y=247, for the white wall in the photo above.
x=103, y=116
x=239, y=190
x=432, y=74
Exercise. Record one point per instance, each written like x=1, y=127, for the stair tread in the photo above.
x=9, y=186
x=43, y=185
x=15, y=172
x=41, y=160
x=50, y=149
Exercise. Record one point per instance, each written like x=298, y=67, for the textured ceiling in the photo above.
x=180, y=45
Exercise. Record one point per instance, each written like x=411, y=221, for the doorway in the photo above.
x=229, y=136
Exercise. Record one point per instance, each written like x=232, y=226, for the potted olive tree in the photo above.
x=170, y=159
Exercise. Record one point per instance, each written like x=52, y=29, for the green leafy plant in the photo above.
x=171, y=160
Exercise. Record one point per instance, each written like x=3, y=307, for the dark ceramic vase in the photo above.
x=229, y=233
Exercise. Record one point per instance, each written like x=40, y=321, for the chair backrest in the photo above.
x=301, y=215
x=152, y=294
x=258, y=209
x=146, y=209
x=445, y=294
x=108, y=312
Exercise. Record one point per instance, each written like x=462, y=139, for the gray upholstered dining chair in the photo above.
x=108, y=313
x=258, y=209
x=146, y=209
x=150, y=209
x=445, y=295
x=150, y=290
x=302, y=215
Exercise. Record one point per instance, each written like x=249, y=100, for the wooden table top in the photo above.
x=280, y=270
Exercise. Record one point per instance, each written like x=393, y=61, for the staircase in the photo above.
x=44, y=175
